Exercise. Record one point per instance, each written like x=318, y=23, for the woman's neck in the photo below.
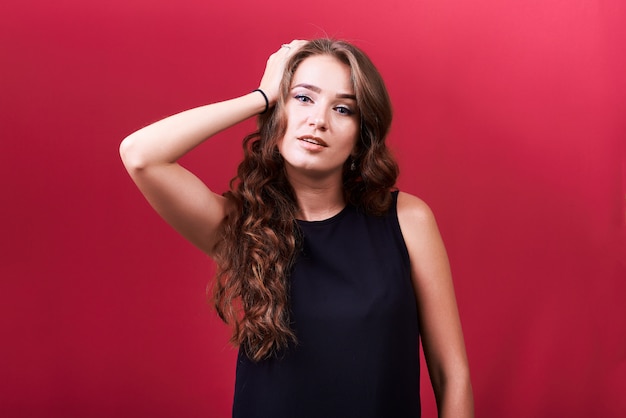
x=318, y=200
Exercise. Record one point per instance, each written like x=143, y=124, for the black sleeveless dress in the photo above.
x=355, y=317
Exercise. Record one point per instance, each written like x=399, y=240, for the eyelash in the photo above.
x=345, y=110
x=302, y=98
x=342, y=110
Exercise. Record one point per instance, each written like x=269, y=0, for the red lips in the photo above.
x=315, y=140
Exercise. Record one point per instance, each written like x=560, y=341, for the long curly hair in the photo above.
x=261, y=237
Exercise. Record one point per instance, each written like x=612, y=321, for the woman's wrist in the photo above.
x=267, y=102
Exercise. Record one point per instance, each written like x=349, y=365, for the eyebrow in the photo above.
x=319, y=90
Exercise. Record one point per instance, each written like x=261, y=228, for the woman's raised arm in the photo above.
x=150, y=155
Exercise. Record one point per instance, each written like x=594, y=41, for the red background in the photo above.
x=509, y=122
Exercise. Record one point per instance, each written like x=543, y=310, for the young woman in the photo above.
x=327, y=276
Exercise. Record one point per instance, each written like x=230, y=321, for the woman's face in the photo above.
x=322, y=119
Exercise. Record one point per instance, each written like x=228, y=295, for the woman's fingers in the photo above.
x=275, y=68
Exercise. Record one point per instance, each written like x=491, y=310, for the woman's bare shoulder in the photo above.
x=413, y=209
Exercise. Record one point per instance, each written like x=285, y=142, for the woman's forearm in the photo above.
x=455, y=399
x=167, y=140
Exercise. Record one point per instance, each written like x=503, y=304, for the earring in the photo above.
x=352, y=166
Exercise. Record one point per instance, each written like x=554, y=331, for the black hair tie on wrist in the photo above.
x=267, y=102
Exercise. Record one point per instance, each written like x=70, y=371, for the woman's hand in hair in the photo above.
x=275, y=68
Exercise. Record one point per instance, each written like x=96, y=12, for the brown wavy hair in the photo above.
x=261, y=237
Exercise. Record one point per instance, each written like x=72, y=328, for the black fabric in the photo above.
x=354, y=313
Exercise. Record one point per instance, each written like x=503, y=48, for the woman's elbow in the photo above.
x=131, y=155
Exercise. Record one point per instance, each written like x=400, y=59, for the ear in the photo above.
x=356, y=149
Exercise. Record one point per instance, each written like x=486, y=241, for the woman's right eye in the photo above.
x=302, y=98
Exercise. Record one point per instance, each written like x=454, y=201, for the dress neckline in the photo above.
x=326, y=221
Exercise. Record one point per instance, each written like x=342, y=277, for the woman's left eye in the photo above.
x=343, y=110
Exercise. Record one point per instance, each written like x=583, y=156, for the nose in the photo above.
x=317, y=119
